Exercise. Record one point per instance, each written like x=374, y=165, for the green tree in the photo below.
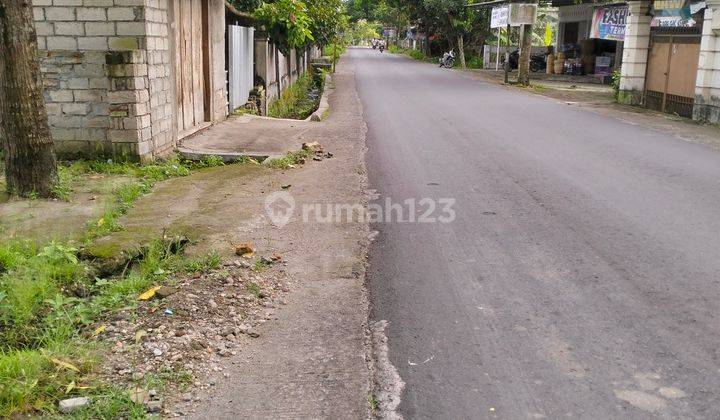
x=328, y=20
x=287, y=23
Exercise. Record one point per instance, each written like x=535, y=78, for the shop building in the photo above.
x=590, y=36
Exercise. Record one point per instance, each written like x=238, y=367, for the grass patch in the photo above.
x=46, y=347
x=202, y=264
x=299, y=100
x=50, y=301
x=289, y=160
x=539, y=88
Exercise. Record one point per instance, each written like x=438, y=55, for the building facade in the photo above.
x=671, y=57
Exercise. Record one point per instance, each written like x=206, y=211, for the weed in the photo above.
x=202, y=264
x=615, y=84
x=299, y=100
x=260, y=264
x=539, y=88
x=63, y=187
x=253, y=288
x=289, y=160
x=373, y=401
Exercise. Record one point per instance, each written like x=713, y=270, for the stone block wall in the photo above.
x=107, y=76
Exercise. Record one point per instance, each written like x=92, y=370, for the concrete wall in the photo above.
x=265, y=59
x=108, y=76
x=707, y=91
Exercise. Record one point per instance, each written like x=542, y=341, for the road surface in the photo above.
x=580, y=276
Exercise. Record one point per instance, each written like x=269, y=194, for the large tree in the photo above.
x=30, y=166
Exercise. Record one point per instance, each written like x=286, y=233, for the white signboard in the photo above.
x=499, y=17
x=522, y=14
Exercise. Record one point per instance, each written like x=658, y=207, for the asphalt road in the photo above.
x=580, y=276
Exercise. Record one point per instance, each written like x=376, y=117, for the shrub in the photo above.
x=417, y=54
x=615, y=84
x=474, y=62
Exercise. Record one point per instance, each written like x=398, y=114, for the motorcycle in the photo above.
x=382, y=48
x=537, y=61
x=448, y=59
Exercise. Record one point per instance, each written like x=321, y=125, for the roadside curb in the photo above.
x=324, y=105
x=227, y=157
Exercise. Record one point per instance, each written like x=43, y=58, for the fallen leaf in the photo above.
x=66, y=365
x=99, y=330
x=139, y=335
x=149, y=293
x=70, y=387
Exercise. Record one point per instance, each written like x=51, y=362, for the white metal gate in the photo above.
x=240, y=65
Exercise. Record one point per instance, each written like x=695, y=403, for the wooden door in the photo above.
x=190, y=66
x=671, y=73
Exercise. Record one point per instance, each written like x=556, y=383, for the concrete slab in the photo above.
x=247, y=135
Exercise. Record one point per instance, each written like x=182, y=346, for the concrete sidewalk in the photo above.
x=310, y=358
x=247, y=135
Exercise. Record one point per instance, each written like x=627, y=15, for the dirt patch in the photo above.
x=200, y=320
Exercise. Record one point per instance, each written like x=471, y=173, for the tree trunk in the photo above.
x=30, y=166
x=525, y=52
x=461, y=50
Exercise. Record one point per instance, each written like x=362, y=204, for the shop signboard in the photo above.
x=522, y=14
x=609, y=23
x=676, y=13
x=499, y=16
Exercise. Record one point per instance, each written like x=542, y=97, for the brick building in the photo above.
x=129, y=78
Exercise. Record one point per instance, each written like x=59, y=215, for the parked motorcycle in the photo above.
x=537, y=61
x=448, y=59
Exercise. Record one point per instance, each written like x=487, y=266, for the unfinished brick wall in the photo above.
x=106, y=71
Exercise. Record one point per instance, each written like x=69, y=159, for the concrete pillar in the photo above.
x=707, y=90
x=635, y=53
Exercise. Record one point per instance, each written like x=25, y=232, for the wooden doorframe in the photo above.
x=207, y=80
x=208, y=69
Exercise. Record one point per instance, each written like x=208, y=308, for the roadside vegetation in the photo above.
x=300, y=100
x=473, y=61
x=52, y=304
